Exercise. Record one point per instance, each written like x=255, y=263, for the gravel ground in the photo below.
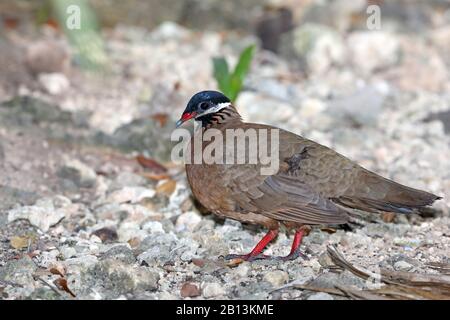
x=81, y=218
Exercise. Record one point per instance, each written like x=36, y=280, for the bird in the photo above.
x=314, y=184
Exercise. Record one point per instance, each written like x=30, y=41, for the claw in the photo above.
x=246, y=257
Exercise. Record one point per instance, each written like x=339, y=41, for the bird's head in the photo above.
x=204, y=103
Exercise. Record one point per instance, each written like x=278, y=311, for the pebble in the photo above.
x=45, y=213
x=320, y=296
x=187, y=221
x=130, y=195
x=277, y=278
x=403, y=266
x=373, y=50
x=212, y=290
x=79, y=173
x=189, y=290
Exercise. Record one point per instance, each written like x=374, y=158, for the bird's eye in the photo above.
x=204, y=105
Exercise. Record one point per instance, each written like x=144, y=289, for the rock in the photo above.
x=153, y=227
x=47, y=56
x=169, y=30
x=2, y=152
x=20, y=242
x=54, y=83
x=130, y=195
x=79, y=173
x=121, y=253
x=12, y=196
x=19, y=271
x=155, y=249
x=316, y=47
x=320, y=296
x=107, y=235
x=142, y=135
x=113, y=278
x=330, y=279
x=402, y=266
x=212, y=290
x=443, y=116
x=189, y=290
x=128, y=179
x=125, y=212
x=27, y=110
x=371, y=51
x=255, y=107
x=350, y=107
x=68, y=252
x=155, y=256
x=187, y=221
x=45, y=213
x=130, y=230
x=277, y=278
x=272, y=25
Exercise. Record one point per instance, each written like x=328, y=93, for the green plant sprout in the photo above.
x=231, y=83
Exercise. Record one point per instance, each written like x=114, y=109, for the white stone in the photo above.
x=188, y=221
x=130, y=194
x=54, y=83
x=320, y=296
x=402, y=266
x=45, y=213
x=212, y=289
x=153, y=227
x=277, y=278
x=372, y=50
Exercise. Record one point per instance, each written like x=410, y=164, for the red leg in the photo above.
x=295, y=249
x=255, y=253
x=297, y=240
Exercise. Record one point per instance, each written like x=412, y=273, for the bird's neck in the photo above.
x=224, y=116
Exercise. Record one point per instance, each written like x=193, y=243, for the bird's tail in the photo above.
x=381, y=194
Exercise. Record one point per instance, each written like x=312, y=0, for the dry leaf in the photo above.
x=58, y=270
x=134, y=242
x=154, y=176
x=161, y=118
x=167, y=187
x=61, y=283
x=151, y=164
x=388, y=216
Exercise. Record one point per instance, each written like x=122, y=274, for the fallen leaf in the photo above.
x=134, y=242
x=58, y=270
x=329, y=230
x=153, y=176
x=189, y=290
x=161, y=118
x=167, y=187
x=388, y=216
x=61, y=283
x=19, y=242
x=151, y=164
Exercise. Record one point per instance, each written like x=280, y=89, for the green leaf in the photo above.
x=222, y=74
x=231, y=83
x=235, y=88
x=244, y=62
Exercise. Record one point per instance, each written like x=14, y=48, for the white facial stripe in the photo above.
x=217, y=108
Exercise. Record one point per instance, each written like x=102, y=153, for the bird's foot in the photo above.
x=292, y=256
x=246, y=257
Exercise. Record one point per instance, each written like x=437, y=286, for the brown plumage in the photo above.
x=313, y=186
